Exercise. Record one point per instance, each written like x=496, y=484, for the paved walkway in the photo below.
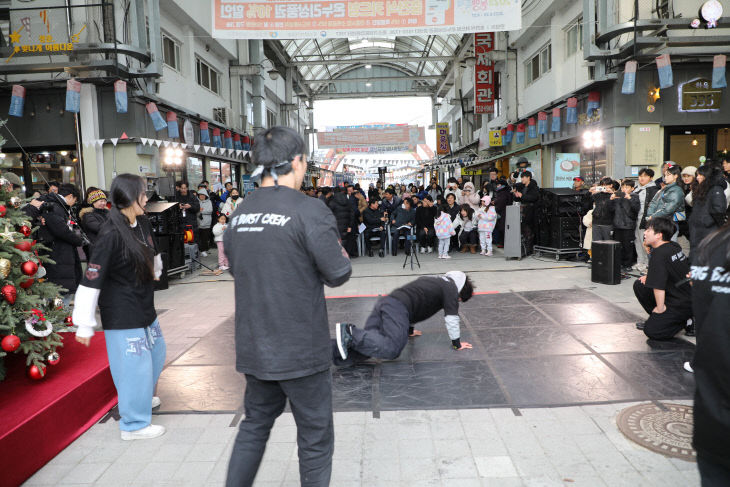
x=569, y=446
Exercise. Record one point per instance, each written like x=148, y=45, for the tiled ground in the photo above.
x=434, y=417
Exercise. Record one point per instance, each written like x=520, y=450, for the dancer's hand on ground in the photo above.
x=464, y=346
x=84, y=340
x=642, y=279
x=416, y=333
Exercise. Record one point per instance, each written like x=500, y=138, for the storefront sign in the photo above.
x=483, y=73
x=472, y=172
x=567, y=167
x=247, y=184
x=495, y=138
x=411, y=135
x=442, y=139
x=286, y=19
x=698, y=95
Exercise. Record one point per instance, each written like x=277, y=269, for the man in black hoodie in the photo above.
x=425, y=217
x=528, y=195
x=603, y=209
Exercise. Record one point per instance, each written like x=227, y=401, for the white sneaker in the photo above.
x=483, y=252
x=430, y=249
x=204, y=254
x=447, y=256
x=441, y=257
x=224, y=268
x=155, y=402
x=423, y=250
x=489, y=254
x=688, y=367
x=146, y=433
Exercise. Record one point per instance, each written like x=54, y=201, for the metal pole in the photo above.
x=77, y=123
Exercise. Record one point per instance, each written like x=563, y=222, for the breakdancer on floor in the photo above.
x=391, y=322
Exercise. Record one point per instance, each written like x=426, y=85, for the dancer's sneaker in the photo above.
x=343, y=333
x=640, y=325
x=689, y=328
x=688, y=367
x=155, y=402
x=146, y=433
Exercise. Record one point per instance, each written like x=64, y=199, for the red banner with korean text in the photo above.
x=483, y=73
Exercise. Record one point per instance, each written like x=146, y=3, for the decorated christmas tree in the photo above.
x=31, y=309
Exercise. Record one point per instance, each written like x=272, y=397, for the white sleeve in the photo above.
x=453, y=326
x=158, y=266
x=84, y=313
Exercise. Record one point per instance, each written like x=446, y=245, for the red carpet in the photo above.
x=38, y=419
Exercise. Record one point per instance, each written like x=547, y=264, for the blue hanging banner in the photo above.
x=542, y=123
x=571, y=111
x=73, y=96
x=237, y=142
x=120, y=95
x=154, y=114
x=227, y=139
x=204, y=133
x=718, y=71
x=531, y=130
x=173, y=131
x=664, y=66
x=594, y=102
x=520, y=136
x=246, y=142
x=629, y=86
x=508, y=134
x=217, y=138
x=17, y=101
x=555, y=125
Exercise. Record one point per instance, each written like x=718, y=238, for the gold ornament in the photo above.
x=15, y=201
x=4, y=268
x=7, y=234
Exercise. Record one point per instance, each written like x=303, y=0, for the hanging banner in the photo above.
x=217, y=138
x=718, y=71
x=571, y=112
x=17, y=100
x=483, y=73
x=664, y=67
x=237, y=142
x=73, y=96
x=173, y=131
x=531, y=132
x=594, y=102
x=188, y=132
x=228, y=140
x=508, y=134
x=286, y=19
x=120, y=96
x=204, y=133
x=629, y=86
x=442, y=139
x=555, y=126
x=520, y=137
x=542, y=123
x=246, y=142
x=154, y=114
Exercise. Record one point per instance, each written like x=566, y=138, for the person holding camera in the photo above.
x=603, y=209
x=60, y=236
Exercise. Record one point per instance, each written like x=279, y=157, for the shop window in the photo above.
x=61, y=166
x=686, y=149
x=214, y=175
x=574, y=37
x=195, y=172
x=723, y=142
x=538, y=65
x=457, y=133
x=270, y=119
x=170, y=52
x=207, y=76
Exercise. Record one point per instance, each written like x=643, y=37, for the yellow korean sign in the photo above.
x=495, y=138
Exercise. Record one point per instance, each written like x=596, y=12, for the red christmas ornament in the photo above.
x=25, y=230
x=54, y=358
x=3, y=210
x=29, y=268
x=26, y=284
x=10, y=343
x=68, y=321
x=37, y=373
x=24, y=246
x=9, y=293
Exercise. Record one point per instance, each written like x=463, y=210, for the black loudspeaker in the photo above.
x=174, y=247
x=164, y=217
x=606, y=258
x=565, y=232
x=562, y=201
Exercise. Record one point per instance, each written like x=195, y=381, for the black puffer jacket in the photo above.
x=343, y=211
x=372, y=218
x=91, y=221
x=62, y=241
x=530, y=193
x=603, y=210
x=708, y=214
x=191, y=214
x=625, y=212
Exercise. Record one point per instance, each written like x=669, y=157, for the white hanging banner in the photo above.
x=144, y=141
x=239, y=152
x=99, y=142
x=196, y=147
x=166, y=142
x=158, y=143
x=230, y=151
x=114, y=141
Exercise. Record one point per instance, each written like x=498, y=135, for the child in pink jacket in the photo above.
x=444, y=230
x=487, y=219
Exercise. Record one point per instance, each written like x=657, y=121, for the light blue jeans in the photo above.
x=136, y=359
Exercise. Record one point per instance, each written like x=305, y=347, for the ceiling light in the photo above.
x=368, y=84
x=274, y=74
x=368, y=66
x=64, y=153
x=694, y=142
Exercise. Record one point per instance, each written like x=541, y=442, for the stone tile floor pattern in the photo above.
x=430, y=418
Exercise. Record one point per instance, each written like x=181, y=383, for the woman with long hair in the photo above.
x=708, y=204
x=711, y=305
x=120, y=278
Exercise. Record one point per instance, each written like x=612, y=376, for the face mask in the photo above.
x=234, y=197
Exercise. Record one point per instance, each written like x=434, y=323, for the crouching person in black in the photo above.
x=664, y=292
x=374, y=220
x=391, y=322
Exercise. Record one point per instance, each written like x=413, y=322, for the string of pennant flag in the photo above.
x=198, y=148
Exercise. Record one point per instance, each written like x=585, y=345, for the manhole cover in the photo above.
x=667, y=432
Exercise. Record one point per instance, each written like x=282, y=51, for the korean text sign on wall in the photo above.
x=442, y=139
x=287, y=19
x=483, y=73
